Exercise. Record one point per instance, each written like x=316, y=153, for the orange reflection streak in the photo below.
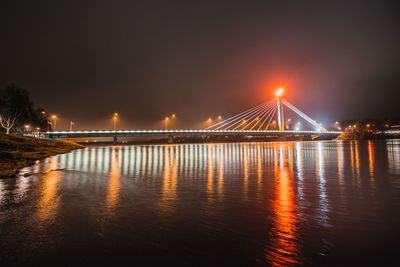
x=221, y=175
x=352, y=159
x=245, y=169
x=339, y=149
x=49, y=199
x=170, y=175
x=357, y=163
x=210, y=172
x=259, y=166
x=114, y=184
x=283, y=250
x=371, y=160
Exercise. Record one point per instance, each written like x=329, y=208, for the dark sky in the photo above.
x=148, y=59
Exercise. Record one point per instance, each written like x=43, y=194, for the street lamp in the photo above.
x=166, y=123
x=115, y=120
x=54, y=117
x=298, y=124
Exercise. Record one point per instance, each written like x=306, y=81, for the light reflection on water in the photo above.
x=283, y=203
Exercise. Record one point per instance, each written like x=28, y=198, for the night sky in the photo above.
x=148, y=59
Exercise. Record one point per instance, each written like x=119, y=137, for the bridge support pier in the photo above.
x=115, y=140
x=170, y=139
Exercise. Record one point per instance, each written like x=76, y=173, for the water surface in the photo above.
x=294, y=203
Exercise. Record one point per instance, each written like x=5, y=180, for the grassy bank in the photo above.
x=17, y=152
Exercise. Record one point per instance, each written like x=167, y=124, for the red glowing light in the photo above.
x=279, y=92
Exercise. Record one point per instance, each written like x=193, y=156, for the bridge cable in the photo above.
x=254, y=116
x=262, y=117
x=243, y=119
x=266, y=128
x=265, y=119
x=257, y=119
x=233, y=117
x=301, y=114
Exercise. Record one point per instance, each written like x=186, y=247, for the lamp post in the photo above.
x=166, y=123
x=298, y=124
x=173, y=117
x=115, y=121
x=54, y=117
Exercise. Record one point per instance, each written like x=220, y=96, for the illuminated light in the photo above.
x=355, y=126
x=54, y=117
x=279, y=92
x=220, y=117
x=257, y=118
x=368, y=125
x=336, y=122
x=173, y=116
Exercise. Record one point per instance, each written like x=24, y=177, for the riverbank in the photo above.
x=17, y=152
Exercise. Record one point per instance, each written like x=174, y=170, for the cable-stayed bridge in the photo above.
x=266, y=119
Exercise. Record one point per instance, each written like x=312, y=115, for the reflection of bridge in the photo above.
x=265, y=120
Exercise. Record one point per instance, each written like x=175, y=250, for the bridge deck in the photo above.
x=157, y=133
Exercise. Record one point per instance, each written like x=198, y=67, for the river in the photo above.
x=280, y=204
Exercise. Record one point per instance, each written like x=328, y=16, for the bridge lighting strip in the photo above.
x=186, y=131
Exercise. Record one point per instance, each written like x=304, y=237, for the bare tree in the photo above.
x=7, y=122
x=16, y=107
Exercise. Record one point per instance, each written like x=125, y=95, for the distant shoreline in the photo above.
x=17, y=152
